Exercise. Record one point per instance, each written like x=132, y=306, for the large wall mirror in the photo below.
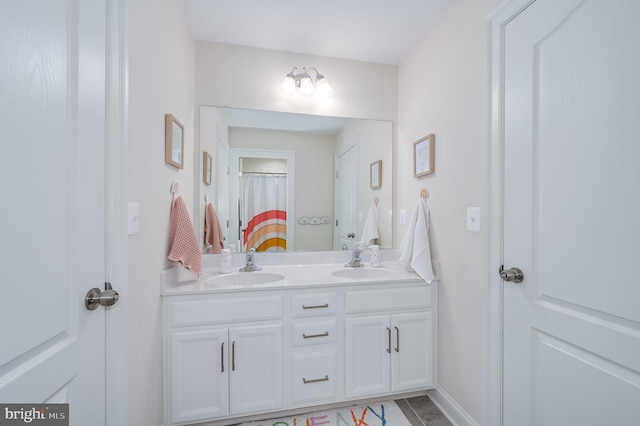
x=294, y=182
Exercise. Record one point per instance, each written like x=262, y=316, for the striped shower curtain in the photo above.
x=263, y=212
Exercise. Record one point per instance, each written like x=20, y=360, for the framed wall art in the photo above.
x=173, y=142
x=423, y=156
x=375, y=176
x=206, y=167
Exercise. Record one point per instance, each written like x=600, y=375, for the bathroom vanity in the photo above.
x=294, y=336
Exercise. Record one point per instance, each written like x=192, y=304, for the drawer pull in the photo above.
x=324, y=379
x=326, y=305
x=311, y=336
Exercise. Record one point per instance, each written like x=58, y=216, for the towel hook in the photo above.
x=375, y=200
x=175, y=187
x=424, y=194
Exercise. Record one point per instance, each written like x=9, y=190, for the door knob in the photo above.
x=512, y=274
x=96, y=297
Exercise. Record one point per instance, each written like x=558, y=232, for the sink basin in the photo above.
x=244, y=279
x=363, y=273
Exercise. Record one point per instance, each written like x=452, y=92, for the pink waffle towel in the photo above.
x=182, y=236
x=212, y=230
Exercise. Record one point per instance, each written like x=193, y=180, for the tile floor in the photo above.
x=422, y=412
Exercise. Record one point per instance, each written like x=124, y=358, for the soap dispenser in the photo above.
x=225, y=261
x=374, y=256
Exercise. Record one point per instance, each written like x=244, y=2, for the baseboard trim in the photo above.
x=450, y=408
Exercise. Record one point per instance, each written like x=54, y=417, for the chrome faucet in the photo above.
x=250, y=266
x=355, y=261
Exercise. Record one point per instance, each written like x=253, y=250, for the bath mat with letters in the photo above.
x=385, y=413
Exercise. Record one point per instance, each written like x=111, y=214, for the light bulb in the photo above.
x=289, y=85
x=306, y=86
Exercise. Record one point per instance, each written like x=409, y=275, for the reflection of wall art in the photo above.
x=206, y=168
x=375, y=175
x=423, y=156
x=173, y=142
x=314, y=220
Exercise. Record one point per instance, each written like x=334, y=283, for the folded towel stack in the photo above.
x=415, y=248
x=182, y=238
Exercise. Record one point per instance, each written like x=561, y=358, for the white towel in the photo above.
x=415, y=248
x=370, y=229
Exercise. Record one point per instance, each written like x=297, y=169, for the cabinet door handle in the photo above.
x=397, y=339
x=326, y=305
x=222, y=358
x=233, y=356
x=311, y=336
x=389, y=347
x=324, y=379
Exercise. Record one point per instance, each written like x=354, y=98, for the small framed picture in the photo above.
x=375, y=176
x=173, y=142
x=423, y=158
x=206, y=168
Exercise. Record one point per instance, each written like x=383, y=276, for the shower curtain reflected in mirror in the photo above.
x=263, y=211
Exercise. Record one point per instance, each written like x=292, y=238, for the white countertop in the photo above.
x=286, y=274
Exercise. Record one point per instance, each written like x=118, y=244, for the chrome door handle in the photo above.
x=96, y=297
x=389, y=346
x=397, y=339
x=511, y=275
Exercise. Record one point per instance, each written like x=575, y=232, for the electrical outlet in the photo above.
x=403, y=217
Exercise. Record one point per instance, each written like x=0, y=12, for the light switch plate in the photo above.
x=133, y=218
x=403, y=217
x=473, y=219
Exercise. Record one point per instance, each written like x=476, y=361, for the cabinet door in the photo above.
x=368, y=346
x=412, y=347
x=257, y=368
x=199, y=380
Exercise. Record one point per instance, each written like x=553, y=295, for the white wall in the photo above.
x=441, y=91
x=161, y=80
x=245, y=77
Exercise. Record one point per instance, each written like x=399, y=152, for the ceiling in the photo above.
x=380, y=31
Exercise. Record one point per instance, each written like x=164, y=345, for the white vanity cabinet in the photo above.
x=390, y=340
x=224, y=356
x=235, y=355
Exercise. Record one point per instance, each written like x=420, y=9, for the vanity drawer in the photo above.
x=385, y=299
x=314, y=332
x=314, y=376
x=310, y=304
x=199, y=311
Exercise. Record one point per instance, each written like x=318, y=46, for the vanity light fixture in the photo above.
x=302, y=82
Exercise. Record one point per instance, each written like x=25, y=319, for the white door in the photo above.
x=368, y=356
x=571, y=204
x=223, y=188
x=412, y=351
x=52, y=97
x=199, y=381
x=257, y=368
x=346, y=199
